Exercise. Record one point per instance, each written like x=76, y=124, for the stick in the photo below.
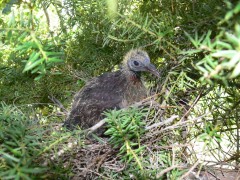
x=167, y=121
x=190, y=170
x=58, y=103
x=96, y=126
x=167, y=170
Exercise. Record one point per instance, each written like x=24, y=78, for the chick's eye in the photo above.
x=135, y=63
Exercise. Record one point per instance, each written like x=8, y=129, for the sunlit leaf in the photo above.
x=8, y=156
x=233, y=39
x=236, y=71
x=202, y=69
x=237, y=8
x=31, y=65
x=235, y=59
x=112, y=8
x=225, y=53
x=224, y=45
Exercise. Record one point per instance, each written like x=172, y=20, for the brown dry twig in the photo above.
x=180, y=124
x=190, y=170
x=165, y=122
x=58, y=103
x=169, y=169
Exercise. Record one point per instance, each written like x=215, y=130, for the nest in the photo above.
x=165, y=133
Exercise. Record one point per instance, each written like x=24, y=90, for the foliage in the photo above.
x=20, y=145
x=218, y=62
x=29, y=150
x=127, y=131
x=195, y=44
x=29, y=50
x=22, y=32
x=39, y=59
x=125, y=128
x=221, y=55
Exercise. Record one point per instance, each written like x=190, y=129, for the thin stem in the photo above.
x=39, y=45
x=238, y=150
x=133, y=153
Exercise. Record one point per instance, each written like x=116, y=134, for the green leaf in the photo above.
x=33, y=170
x=233, y=39
x=236, y=71
x=225, y=53
x=235, y=59
x=237, y=29
x=26, y=46
x=237, y=8
x=9, y=157
x=54, y=53
x=207, y=39
x=23, y=35
x=38, y=77
x=193, y=41
x=190, y=52
x=24, y=176
x=8, y=174
x=210, y=69
x=31, y=65
x=223, y=45
x=229, y=15
x=202, y=69
x=203, y=136
x=33, y=57
x=109, y=131
x=37, y=69
x=54, y=60
x=130, y=159
x=16, y=152
x=211, y=62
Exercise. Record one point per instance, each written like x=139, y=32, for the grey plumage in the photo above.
x=111, y=90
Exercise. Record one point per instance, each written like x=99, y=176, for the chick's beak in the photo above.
x=152, y=69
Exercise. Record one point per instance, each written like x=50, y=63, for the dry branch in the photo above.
x=190, y=170
x=165, y=122
x=168, y=169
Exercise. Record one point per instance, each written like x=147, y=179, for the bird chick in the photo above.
x=111, y=90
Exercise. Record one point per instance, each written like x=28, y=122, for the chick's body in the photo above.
x=113, y=90
x=110, y=90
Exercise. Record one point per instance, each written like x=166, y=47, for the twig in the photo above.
x=190, y=170
x=212, y=174
x=58, y=103
x=170, y=147
x=96, y=126
x=193, y=104
x=178, y=124
x=102, y=158
x=167, y=121
x=167, y=170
